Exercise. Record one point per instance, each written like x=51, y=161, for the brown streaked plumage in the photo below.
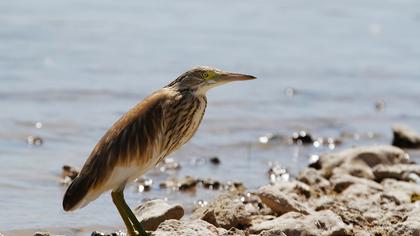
x=144, y=136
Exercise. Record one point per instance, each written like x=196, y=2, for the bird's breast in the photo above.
x=184, y=117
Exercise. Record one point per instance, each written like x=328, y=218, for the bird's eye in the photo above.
x=205, y=75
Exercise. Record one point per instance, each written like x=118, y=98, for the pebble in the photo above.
x=278, y=173
x=144, y=184
x=302, y=138
x=34, y=140
x=214, y=160
x=68, y=174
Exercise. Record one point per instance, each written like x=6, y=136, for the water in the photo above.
x=76, y=66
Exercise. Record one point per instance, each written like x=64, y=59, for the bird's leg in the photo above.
x=127, y=222
x=135, y=223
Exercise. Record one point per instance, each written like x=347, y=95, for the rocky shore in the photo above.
x=360, y=191
x=373, y=190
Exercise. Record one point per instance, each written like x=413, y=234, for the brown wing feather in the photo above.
x=130, y=137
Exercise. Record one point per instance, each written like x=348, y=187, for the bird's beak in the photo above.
x=229, y=77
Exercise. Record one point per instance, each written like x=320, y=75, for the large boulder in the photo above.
x=150, y=214
x=404, y=137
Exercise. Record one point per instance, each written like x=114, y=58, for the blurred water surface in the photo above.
x=76, y=66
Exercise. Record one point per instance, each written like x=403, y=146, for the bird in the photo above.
x=143, y=137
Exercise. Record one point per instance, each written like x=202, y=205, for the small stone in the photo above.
x=68, y=174
x=397, y=171
x=34, y=140
x=42, y=234
x=169, y=164
x=290, y=92
x=97, y=233
x=69, y=171
x=211, y=184
x=185, y=184
x=271, y=138
x=293, y=223
x=225, y=211
x=360, y=161
x=214, y=160
x=278, y=173
x=380, y=106
x=279, y=202
x=405, y=137
x=144, y=184
x=150, y=214
x=314, y=179
x=188, y=228
x=341, y=181
x=302, y=137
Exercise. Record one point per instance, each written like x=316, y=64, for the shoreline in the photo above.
x=371, y=190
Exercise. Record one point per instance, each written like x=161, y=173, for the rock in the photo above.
x=302, y=137
x=225, y=211
x=404, y=137
x=313, y=178
x=397, y=171
x=211, y=184
x=184, y=184
x=279, y=202
x=293, y=223
x=341, y=181
x=403, y=191
x=360, y=161
x=296, y=189
x=144, y=184
x=410, y=226
x=68, y=174
x=348, y=215
x=154, y=212
x=97, y=233
x=272, y=138
x=169, y=164
x=34, y=140
x=278, y=173
x=189, y=228
x=214, y=160
x=42, y=234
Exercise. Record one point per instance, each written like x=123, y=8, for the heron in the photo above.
x=143, y=137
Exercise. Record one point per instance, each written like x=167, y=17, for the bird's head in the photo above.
x=201, y=79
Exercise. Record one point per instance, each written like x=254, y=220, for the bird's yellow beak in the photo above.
x=229, y=77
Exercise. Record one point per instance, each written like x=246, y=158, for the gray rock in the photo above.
x=341, y=181
x=296, y=224
x=404, y=137
x=189, y=228
x=410, y=227
x=294, y=188
x=279, y=202
x=154, y=212
x=226, y=211
x=400, y=190
x=42, y=234
x=360, y=161
x=313, y=178
x=397, y=171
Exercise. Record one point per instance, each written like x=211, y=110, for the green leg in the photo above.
x=120, y=208
x=127, y=211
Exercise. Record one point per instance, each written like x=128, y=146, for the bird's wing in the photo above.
x=127, y=142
